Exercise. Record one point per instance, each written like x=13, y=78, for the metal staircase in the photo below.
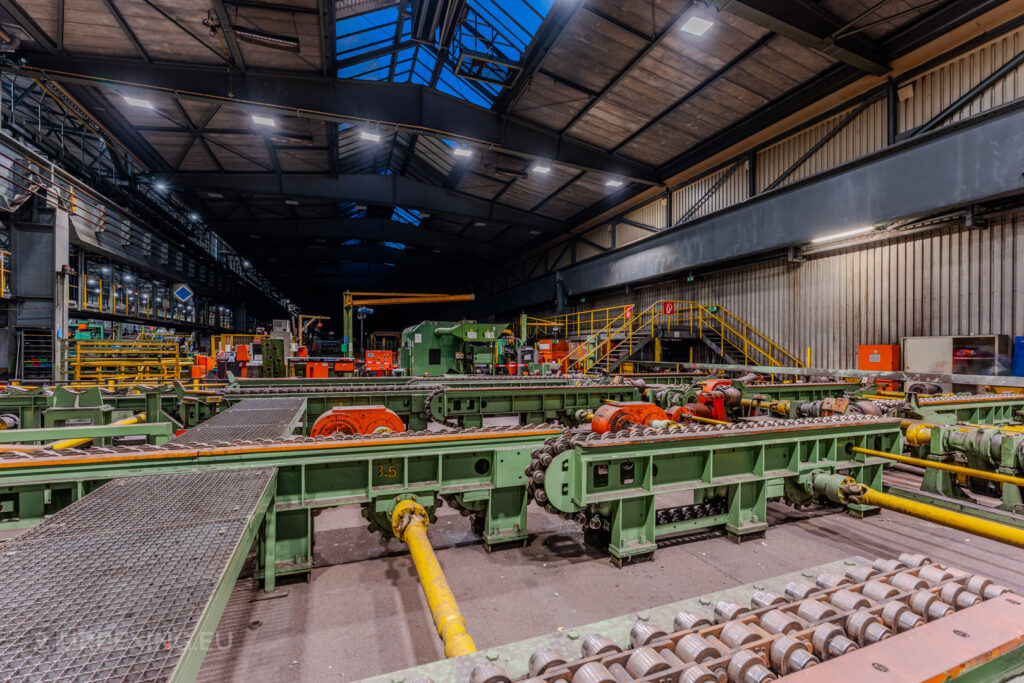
x=609, y=336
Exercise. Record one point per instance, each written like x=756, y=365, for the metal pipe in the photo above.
x=705, y=420
x=409, y=522
x=958, y=469
x=72, y=443
x=860, y=493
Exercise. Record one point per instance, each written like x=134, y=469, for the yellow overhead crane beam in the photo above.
x=352, y=300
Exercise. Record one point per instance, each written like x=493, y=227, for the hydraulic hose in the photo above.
x=409, y=522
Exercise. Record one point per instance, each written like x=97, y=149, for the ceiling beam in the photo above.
x=813, y=27
x=367, y=229
x=228, y=33
x=386, y=190
x=28, y=24
x=410, y=107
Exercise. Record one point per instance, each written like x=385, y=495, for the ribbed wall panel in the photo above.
x=652, y=214
x=865, y=133
x=600, y=236
x=626, y=233
x=953, y=281
x=733, y=190
x=933, y=91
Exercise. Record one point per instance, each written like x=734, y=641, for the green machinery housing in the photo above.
x=491, y=474
x=442, y=348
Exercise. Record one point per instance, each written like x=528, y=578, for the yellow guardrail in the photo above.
x=5, y=272
x=104, y=295
x=101, y=361
x=620, y=327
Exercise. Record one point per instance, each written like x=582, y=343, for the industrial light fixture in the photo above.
x=215, y=195
x=842, y=235
x=291, y=202
x=263, y=121
x=193, y=216
x=161, y=185
x=462, y=152
x=696, y=26
x=614, y=183
x=535, y=232
x=369, y=137
x=246, y=264
x=480, y=224
x=138, y=102
x=266, y=38
x=541, y=167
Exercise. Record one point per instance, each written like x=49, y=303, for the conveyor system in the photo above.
x=128, y=583
x=609, y=482
x=417, y=404
x=908, y=619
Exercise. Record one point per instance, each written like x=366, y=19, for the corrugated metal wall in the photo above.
x=733, y=190
x=948, y=282
x=931, y=92
x=865, y=133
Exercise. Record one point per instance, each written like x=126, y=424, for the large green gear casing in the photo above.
x=438, y=347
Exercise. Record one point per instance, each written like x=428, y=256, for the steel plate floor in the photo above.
x=253, y=418
x=116, y=585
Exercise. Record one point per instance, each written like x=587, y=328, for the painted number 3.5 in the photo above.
x=387, y=471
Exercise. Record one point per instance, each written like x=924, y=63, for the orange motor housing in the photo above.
x=242, y=353
x=357, y=420
x=617, y=415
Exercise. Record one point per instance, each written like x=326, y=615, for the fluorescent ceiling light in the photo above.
x=161, y=185
x=193, y=216
x=263, y=121
x=481, y=224
x=841, y=235
x=291, y=202
x=462, y=152
x=540, y=167
x=267, y=39
x=138, y=102
x=614, y=183
x=215, y=195
x=370, y=137
x=696, y=26
x=535, y=232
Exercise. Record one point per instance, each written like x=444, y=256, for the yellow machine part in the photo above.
x=409, y=522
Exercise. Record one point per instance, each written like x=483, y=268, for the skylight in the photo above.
x=484, y=55
x=410, y=216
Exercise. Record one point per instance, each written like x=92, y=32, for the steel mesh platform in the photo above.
x=253, y=418
x=114, y=586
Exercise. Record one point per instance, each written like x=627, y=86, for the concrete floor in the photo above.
x=362, y=612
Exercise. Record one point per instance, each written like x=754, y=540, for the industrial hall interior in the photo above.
x=512, y=341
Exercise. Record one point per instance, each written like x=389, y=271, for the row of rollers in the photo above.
x=705, y=655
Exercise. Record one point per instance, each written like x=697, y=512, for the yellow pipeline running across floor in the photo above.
x=409, y=522
x=959, y=469
x=846, y=490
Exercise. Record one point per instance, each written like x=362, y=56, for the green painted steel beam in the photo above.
x=158, y=432
x=202, y=637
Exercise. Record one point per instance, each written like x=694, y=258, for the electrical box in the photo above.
x=880, y=357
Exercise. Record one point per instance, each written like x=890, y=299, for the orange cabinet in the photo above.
x=880, y=357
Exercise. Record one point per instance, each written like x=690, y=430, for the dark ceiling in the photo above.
x=559, y=111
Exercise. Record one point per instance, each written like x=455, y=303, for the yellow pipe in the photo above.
x=959, y=469
x=778, y=407
x=71, y=443
x=409, y=522
x=705, y=420
x=955, y=520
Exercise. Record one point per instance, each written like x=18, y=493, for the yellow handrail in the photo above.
x=734, y=332
x=5, y=272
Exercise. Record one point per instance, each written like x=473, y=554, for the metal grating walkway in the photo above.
x=253, y=418
x=120, y=584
